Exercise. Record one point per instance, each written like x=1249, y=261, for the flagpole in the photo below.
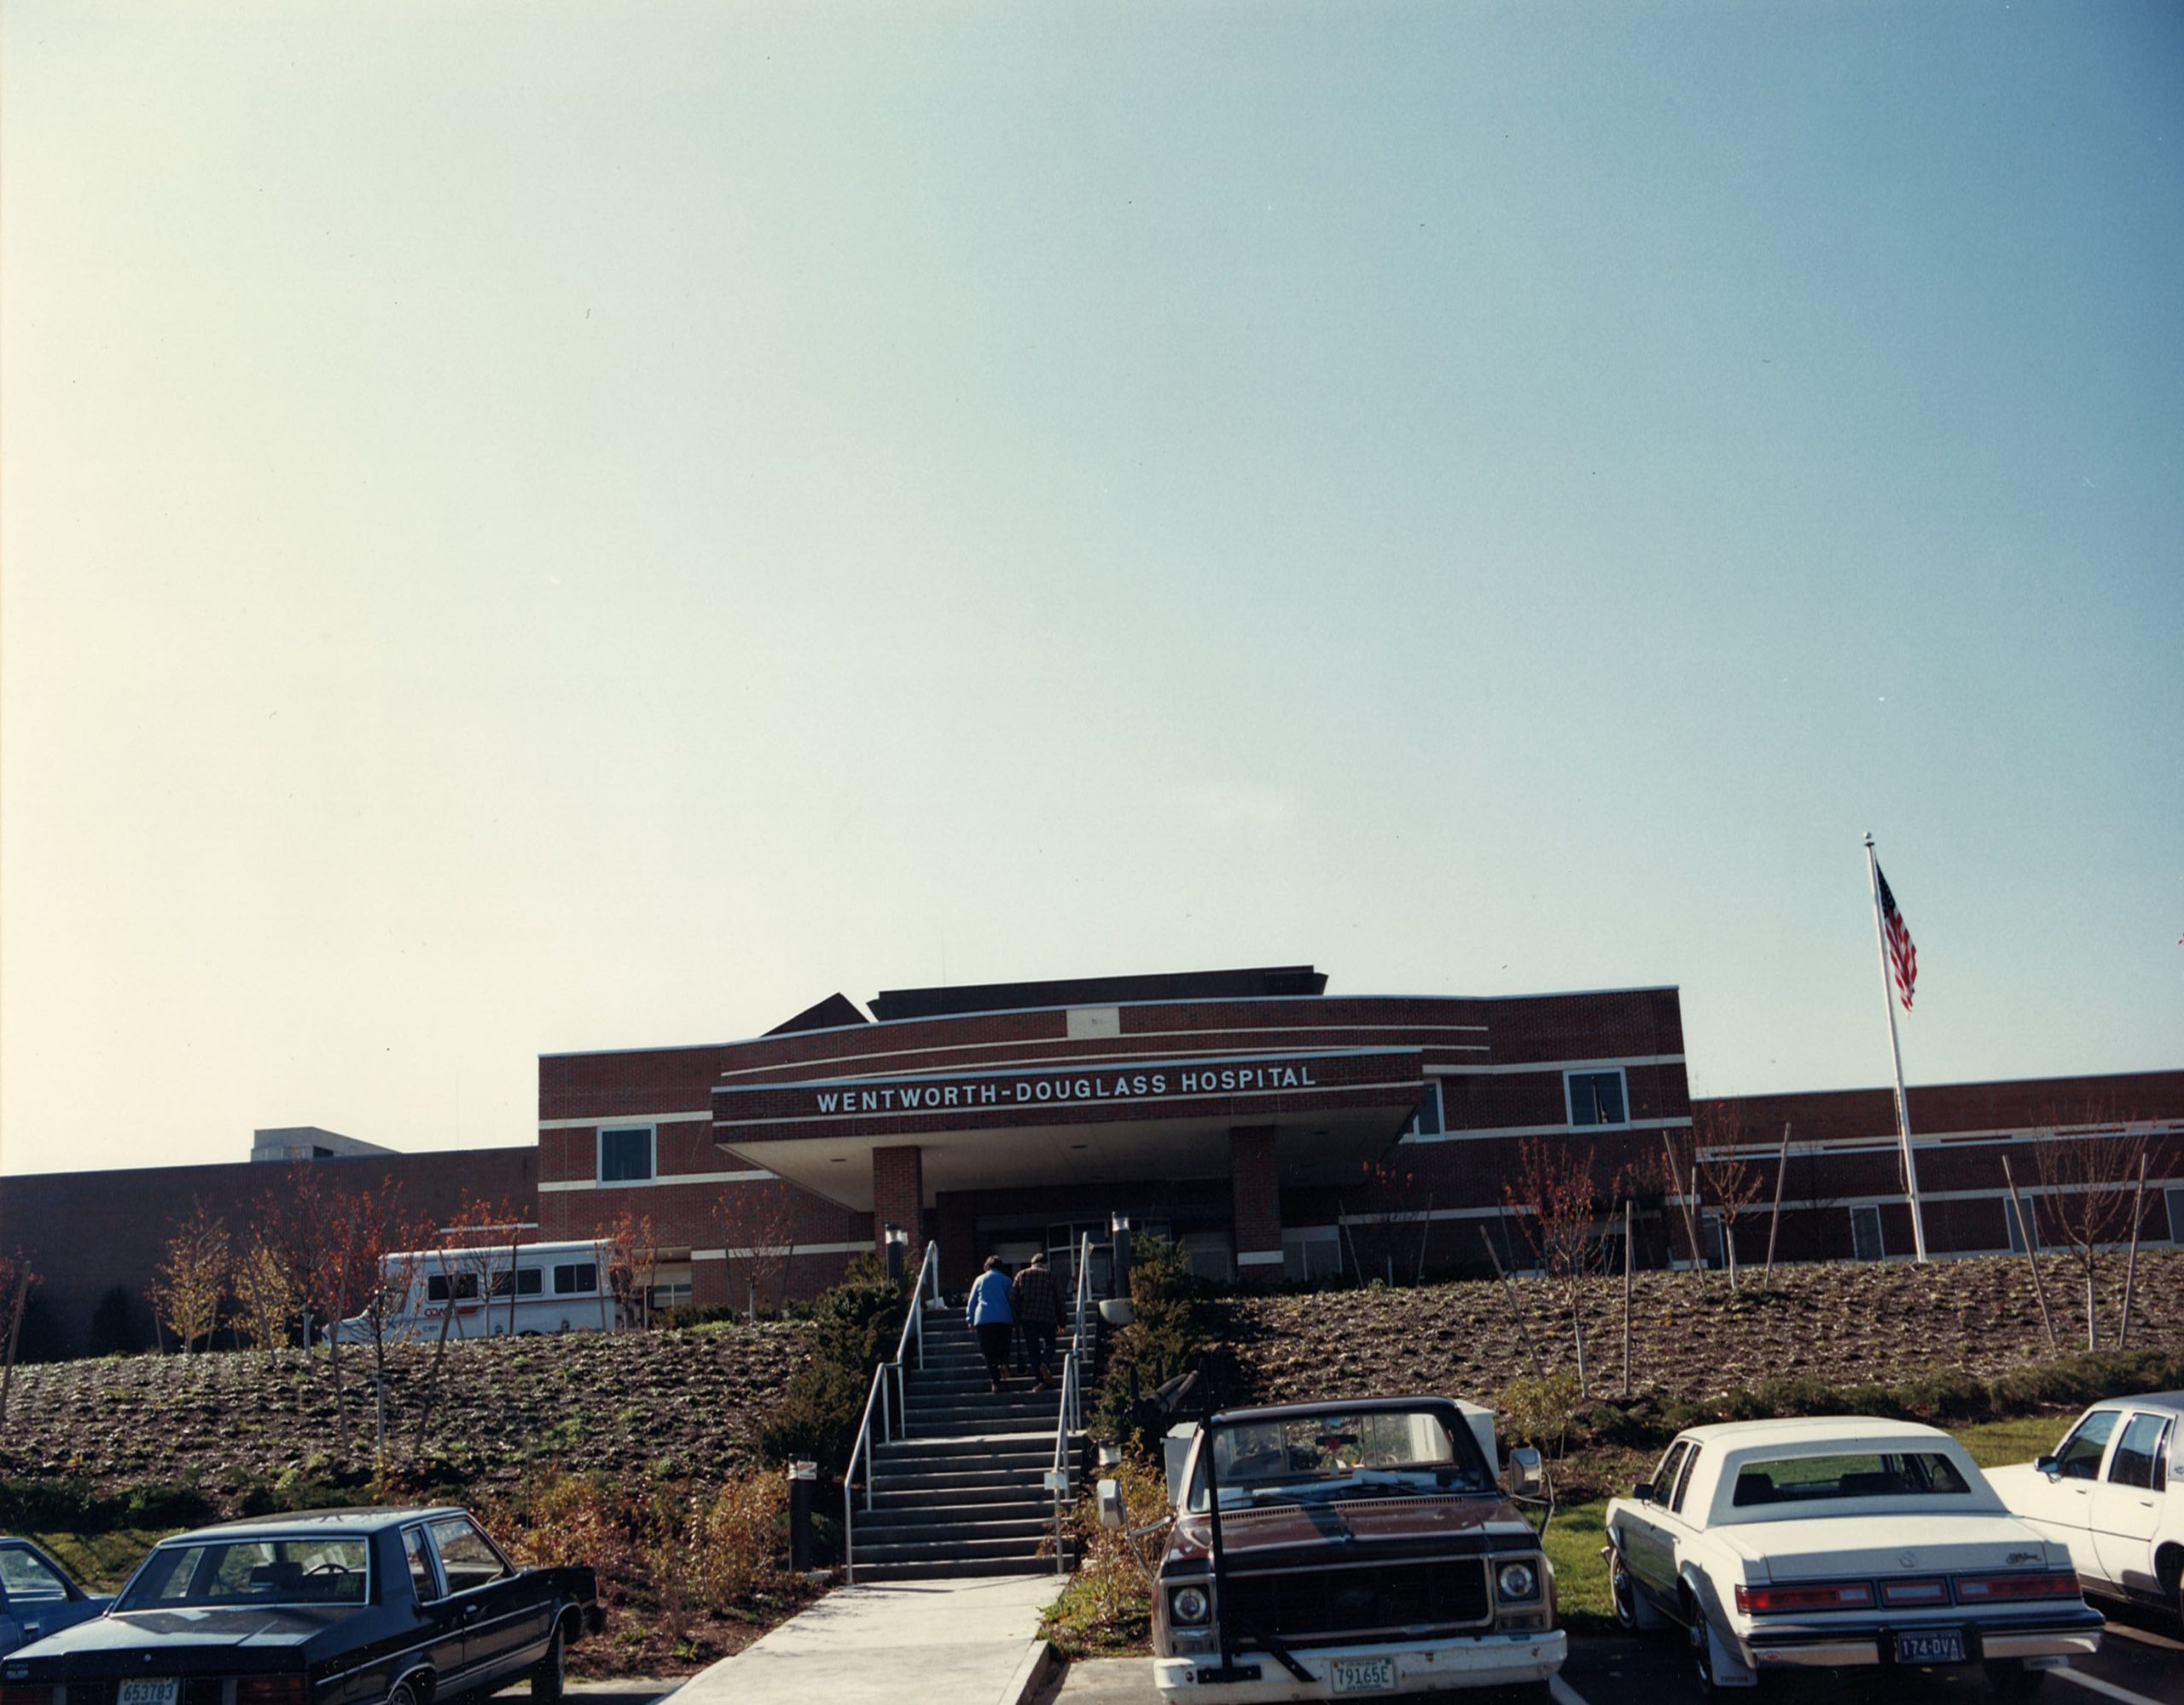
x=1895, y=1057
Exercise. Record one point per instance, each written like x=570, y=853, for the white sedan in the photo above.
x=2113, y=1492
x=1831, y=1543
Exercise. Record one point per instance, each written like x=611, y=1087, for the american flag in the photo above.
x=1902, y=956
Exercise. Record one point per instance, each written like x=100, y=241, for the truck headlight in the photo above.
x=1189, y=1604
x=1517, y=1580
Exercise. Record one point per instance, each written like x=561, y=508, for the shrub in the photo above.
x=1106, y=1607
x=1538, y=1411
x=1163, y=1342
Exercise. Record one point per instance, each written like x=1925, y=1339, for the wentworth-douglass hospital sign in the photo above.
x=1003, y=1093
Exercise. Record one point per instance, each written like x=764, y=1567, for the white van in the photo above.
x=555, y=1287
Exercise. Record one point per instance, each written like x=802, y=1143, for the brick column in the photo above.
x=898, y=1194
x=1256, y=1189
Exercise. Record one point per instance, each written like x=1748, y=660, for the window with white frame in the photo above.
x=1596, y=1098
x=1311, y=1252
x=625, y=1154
x=1865, y=1242
x=2018, y=1233
x=1426, y=1121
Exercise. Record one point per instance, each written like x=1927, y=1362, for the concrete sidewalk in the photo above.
x=973, y=1641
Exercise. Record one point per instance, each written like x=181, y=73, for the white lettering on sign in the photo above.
x=1033, y=1092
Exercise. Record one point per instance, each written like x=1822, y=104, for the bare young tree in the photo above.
x=632, y=1265
x=261, y=1285
x=1724, y=1176
x=2087, y=1171
x=1555, y=1200
x=193, y=1277
x=467, y=1251
x=16, y=1280
x=765, y=1214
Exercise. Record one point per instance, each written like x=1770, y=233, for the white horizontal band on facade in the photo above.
x=790, y=1250
x=613, y=1120
x=1258, y=1258
x=1130, y=1037
x=1549, y=1130
x=1518, y=1068
x=1890, y=1143
x=759, y=1175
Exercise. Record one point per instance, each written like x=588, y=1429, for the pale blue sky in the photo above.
x=544, y=527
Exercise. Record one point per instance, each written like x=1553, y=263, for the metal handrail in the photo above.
x=1058, y=1482
x=894, y=1413
x=1069, y=1418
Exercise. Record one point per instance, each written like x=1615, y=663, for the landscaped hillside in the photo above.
x=674, y=1405
x=1692, y=1335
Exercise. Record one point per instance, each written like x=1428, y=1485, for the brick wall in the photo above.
x=86, y=1232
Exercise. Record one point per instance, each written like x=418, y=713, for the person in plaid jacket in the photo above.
x=1038, y=1313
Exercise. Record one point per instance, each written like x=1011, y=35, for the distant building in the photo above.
x=307, y=1142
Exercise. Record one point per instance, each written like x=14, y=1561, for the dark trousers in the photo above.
x=993, y=1344
x=1039, y=1344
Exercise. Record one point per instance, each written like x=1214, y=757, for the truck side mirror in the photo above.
x=2049, y=1466
x=1525, y=1473
x=1109, y=1493
x=1643, y=1492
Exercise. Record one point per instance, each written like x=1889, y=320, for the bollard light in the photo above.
x=1119, y=1260
x=899, y=1243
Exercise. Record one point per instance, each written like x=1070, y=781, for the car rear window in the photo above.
x=296, y=1569
x=1815, y=1479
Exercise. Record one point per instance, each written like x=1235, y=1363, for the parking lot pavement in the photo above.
x=2140, y=1662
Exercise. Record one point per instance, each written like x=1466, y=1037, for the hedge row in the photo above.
x=1940, y=1397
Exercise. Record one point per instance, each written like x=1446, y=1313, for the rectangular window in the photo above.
x=1427, y=1120
x=529, y=1282
x=1310, y=1253
x=438, y=1285
x=1596, y=1098
x=2017, y=1232
x=576, y=1278
x=2176, y=1214
x=1717, y=1254
x=1866, y=1244
x=671, y=1295
x=626, y=1155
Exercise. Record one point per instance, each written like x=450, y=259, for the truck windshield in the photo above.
x=1335, y=1452
x=255, y=1572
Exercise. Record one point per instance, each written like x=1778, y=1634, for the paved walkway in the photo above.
x=971, y=1642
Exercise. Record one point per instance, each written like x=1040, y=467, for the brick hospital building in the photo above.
x=1276, y=1131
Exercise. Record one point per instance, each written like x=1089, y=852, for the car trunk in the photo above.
x=1812, y=1548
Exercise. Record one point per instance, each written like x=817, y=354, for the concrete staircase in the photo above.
x=961, y=1489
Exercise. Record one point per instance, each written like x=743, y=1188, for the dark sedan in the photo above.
x=37, y=1597
x=351, y=1606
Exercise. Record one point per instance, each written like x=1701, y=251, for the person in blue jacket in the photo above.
x=992, y=1315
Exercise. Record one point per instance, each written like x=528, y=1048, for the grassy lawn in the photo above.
x=100, y=1563
x=1574, y=1539
x=1996, y=1444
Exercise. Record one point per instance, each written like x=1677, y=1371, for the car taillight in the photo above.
x=26, y=1693
x=1834, y=1595
x=1986, y=1589
x=1909, y=1593
x=272, y=1690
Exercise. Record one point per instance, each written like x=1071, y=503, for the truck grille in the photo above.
x=1366, y=1601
